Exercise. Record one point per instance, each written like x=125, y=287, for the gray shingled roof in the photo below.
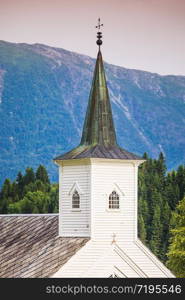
x=30, y=246
x=98, y=151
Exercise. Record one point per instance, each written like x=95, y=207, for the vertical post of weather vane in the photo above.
x=99, y=34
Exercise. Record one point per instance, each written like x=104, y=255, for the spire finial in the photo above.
x=99, y=34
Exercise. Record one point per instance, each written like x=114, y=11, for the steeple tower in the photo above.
x=98, y=137
x=98, y=196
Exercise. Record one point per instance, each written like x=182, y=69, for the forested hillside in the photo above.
x=159, y=194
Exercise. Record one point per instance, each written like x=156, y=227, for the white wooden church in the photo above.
x=98, y=197
x=95, y=233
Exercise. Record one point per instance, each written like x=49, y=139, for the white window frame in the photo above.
x=116, y=188
x=75, y=201
x=75, y=187
x=116, y=200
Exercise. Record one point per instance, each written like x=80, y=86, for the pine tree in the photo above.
x=161, y=165
x=145, y=155
x=142, y=229
x=156, y=232
x=160, y=171
x=41, y=174
x=6, y=189
x=14, y=192
x=20, y=184
x=155, y=200
x=5, y=196
x=143, y=209
x=172, y=193
x=176, y=253
x=165, y=221
x=180, y=179
x=29, y=177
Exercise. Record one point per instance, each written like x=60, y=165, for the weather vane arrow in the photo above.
x=99, y=24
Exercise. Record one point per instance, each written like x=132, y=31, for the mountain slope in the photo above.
x=43, y=99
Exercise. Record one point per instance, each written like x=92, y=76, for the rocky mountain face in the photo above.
x=43, y=99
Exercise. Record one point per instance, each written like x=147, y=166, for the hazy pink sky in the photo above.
x=140, y=34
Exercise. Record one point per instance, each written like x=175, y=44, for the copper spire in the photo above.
x=98, y=136
x=98, y=126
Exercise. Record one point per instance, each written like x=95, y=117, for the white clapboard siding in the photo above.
x=102, y=259
x=96, y=179
x=105, y=177
x=114, y=248
x=74, y=222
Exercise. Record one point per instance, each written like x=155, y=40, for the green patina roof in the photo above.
x=98, y=136
x=98, y=126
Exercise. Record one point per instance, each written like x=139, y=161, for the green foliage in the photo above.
x=5, y=196
x=142, y=229
x=156, y=231
x=176, y=253
x=158, y=194
x=180, y=180
x=53, y=203
x=29, y=193
x=42, y=175
x=165, y=220
x=29, y=177
x=33, y=202
x=20, y=184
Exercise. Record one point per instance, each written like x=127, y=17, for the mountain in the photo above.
x=43, y=99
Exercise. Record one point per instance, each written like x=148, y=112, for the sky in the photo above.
x=138, y=34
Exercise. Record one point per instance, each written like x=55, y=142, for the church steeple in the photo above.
x=98, y=126
x=98, y=197
x=98, y=136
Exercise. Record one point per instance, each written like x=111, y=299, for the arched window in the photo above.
x=114, y=200
x=75, y=200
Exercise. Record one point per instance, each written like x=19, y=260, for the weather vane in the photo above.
x=99, y=24
x=99, y=34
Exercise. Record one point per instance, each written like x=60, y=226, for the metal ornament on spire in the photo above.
x=99, y=24
x=99, y=34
